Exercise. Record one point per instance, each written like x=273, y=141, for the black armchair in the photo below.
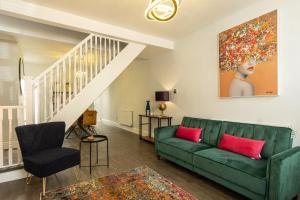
x=42, y=151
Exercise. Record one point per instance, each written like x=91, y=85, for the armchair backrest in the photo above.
x=36, y=137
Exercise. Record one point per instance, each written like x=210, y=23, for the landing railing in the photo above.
x=61, y=82
x=10, y=117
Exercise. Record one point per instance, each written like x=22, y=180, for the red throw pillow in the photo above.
x=192, y=134
x=243, y=146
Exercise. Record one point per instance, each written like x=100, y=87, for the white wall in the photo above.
x=128, y=92
x=9, y=57
x=192, y=68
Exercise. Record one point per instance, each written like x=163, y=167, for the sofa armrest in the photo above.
x=284, y=174
x=165, y=132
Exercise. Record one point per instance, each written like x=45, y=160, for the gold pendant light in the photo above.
x=162, y=10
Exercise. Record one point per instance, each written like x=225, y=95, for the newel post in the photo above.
x=27, y=98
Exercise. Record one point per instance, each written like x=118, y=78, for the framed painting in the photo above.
x=248, y=58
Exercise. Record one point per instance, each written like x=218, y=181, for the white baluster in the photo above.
x=95, y=58
x=69, y=97
x=10, y=128
x=37, y=102
x=109, y=50
x=114, y=45
x=96, y=55
x=60, y=85
x=105, y=53
x=45, y=98
x=91, y=57
x=80, y=69
x=1, y=137
x=100, y=54
x=57, y=88
x=75, y=70
x=118, y=47
x=51, y=95
x=54, y=91
x=86, y=63
x=20, y=119
x=64, y=74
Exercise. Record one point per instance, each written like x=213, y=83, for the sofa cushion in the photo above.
x=243, y=146
x=211, y=133
x=211, y=129
x=194, y=122
x=277, y=139
x=238, y=169
x=191, y=134
x=180, y=149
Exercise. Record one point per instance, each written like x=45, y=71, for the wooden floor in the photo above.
x=126, y=152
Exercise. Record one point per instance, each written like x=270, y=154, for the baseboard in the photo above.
x=116, y=124
x=12, y=175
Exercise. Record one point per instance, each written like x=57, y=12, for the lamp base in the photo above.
x=162, y=107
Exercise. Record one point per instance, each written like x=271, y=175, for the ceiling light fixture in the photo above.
x=162, y=10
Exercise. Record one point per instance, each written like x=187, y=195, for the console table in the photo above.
x=149, y=118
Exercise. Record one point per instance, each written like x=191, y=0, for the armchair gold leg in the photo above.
x=28, y=178
x=44, y=186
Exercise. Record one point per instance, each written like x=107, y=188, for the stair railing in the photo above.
x=61, y=82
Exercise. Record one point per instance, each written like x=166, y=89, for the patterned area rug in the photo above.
x=141, y=183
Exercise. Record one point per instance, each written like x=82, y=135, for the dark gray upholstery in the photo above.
x=42, y=151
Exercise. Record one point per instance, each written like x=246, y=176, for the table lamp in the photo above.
x=162, y=96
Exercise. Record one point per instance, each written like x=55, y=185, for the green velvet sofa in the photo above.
x=275, y=176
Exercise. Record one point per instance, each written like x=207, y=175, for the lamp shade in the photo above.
x=162, y=96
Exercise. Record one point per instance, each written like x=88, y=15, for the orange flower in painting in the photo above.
x=255, y=39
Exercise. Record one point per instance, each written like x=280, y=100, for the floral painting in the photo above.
x=248, y=58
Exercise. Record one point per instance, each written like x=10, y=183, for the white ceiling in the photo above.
x=41, y=51
x=192, y=15
x=40, y=45
x=38, y=54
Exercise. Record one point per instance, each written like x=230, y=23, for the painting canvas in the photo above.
x=248, y=58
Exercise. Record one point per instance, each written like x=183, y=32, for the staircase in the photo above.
x=68, y=87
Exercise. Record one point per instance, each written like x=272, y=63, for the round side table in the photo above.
x=96, y=140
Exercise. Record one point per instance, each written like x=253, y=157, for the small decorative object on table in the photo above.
x=148, y=108
x=90, y=138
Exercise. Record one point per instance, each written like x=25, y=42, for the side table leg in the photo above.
x=90, y=158
x=80, y=154
x=140, y=126
x=149, y=127
x=158, y=157
x=107, y=155
x=97, y=152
